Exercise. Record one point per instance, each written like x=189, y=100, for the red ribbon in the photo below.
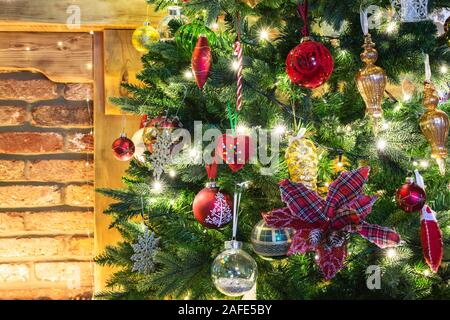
x=303, y=12
x=211, y=170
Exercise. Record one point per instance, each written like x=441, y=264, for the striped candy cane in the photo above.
x=238, y=53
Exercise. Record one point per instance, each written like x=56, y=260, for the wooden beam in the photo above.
x=62, y=14
x=108, y=170
x=122, y=63
x=61, y=57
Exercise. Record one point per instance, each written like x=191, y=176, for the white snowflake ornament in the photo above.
x=144, y=252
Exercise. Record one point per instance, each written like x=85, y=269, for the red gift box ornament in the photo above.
x=235, y=151
x=201, y=61
x=323, y=225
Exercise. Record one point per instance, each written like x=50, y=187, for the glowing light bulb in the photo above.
x=89, y=66
x=60, y=43
x=340, y=164
x=235, y=65
x=157, y=186
x=172, y=173
x=385, y=125
x=242, y=129
x=424, y=164
x=426, y=273
x=215, y=26
x=91, y=32
x=280, y=129
x=381, y=144
x=443, y=69
x=397, y=107
x=28, y=48
x=316, y=257
x=264, y=35
x=406, y=97
x=391, y=27
x=415, y=163
x=188, y=74
x=391, y=253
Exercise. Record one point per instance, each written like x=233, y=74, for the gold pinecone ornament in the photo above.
x=371, y=80
x=302, y=160
x=434, y=124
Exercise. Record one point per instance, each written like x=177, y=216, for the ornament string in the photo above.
x=364, y=20
x=233, y=117
x=427, y=68
x=236, y=203
x=302, y=9
x=239, y=55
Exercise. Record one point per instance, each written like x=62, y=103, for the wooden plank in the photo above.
x=92, y=12
x=108, y=171
x=61, y=57
x=122, y=63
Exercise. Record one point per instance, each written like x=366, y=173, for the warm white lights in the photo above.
x=60, y=43
x=424, y=164
x=391, y=253
x=391, y=27
x=235, y=65
x=215, y=26
x=426, y=273
x=381, y=144
x=443, y=69
x=188, y=74
x=406, y=97
x=385, y=125
x=264, y=35
x=415, y=163
x=172, y=173
x=157, y=186
x=280, y=129
x=242, y=129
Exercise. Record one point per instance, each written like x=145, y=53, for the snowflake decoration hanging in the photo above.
x=161, y=154
x=144, y=252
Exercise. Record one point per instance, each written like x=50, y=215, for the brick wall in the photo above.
x=46, y=188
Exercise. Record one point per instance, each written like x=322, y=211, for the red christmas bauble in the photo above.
x=410, y=197
x=144, y=120
x=212, y=207
x=155, y=127
x=234, y=151
x=123, y=148
x=201, y=61
x=309, y=64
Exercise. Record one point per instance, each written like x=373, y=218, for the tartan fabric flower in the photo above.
x=324, y=225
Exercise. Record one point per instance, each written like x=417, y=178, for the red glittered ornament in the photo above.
x=309, y=64
x=123, y=148
x=212, y=207
x=201, y=61
x=410, y=197
x=235, y=151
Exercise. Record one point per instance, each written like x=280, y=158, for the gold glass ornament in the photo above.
x=371, y=79
x=434, y=124
x=143, y=36
x=302, y=161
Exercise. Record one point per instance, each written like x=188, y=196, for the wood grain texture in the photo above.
x=122, y=63
x=108, y=170
x=92, y=12
x=62, y=57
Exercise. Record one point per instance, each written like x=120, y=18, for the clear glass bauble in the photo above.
x=174, y=12
x=234, y=271
x=271, y=243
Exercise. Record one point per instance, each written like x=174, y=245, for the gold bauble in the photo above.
x=434, y=124
x=144, y=35
x=302, y=161
x=371, y=79
x=252, y=3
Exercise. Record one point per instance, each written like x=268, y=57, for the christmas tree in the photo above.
x=373, y=110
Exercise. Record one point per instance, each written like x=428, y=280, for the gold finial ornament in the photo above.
x=434, y=124
x=302, y=160
x=371, y=79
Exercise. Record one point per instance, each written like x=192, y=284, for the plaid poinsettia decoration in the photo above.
x=324, y=225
